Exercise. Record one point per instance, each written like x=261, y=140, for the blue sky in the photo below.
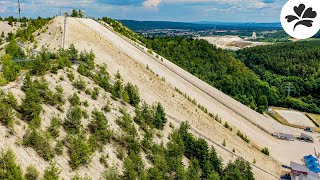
x=164, y=10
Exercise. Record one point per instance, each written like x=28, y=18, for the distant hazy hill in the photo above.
x=198, y=26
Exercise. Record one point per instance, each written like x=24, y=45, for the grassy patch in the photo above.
x=315, y=118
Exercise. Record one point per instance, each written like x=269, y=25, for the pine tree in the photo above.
x=160, y=117
x=10, y=70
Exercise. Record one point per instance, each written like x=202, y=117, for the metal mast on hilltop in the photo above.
x=19, y=9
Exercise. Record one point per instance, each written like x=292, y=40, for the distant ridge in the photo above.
x=201, y=25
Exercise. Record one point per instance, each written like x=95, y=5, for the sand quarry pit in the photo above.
x=230, y=42
x=297, y=118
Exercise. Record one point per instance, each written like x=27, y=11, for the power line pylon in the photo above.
x=290, y=88
x=19, y=9
x=64, y=32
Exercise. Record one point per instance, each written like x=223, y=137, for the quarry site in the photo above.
x=158, y=80
x=231, y=42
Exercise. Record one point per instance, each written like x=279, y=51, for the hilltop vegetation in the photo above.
x=217, y=68
x=294, y=63
x=26, y=29
x=123, y=30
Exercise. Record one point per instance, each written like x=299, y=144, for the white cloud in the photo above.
x=151, y=3
x=238, y=3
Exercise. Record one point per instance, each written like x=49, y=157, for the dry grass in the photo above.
x=313, y=117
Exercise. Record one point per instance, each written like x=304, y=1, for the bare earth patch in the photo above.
x=230, y=42
x=294, y=117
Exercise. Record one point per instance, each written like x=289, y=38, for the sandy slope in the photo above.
x=118, y=54
x=27, y=156
x=278, y=148
x=6, y=28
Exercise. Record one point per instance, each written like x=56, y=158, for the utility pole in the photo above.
x=19, y=9
x=290, y=88
x=64, y=32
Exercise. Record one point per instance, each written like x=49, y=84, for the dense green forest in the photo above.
x=282, y=64
x=218, y=68
x=261, y=80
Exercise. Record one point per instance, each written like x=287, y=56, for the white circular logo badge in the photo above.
x=301, y=18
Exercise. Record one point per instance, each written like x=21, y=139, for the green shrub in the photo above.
x=59, y=148
x=104, y=160
x=118, y=75
x=74, y=100
x=54, y=127
x=9, y=99
x=63, y=61
x=99, y=128
x=265, y=151
x=70, y=76
x=194, y=170
x=14, y=50
x=32, y=173
x=107, y=108
x=95, y=94
x=80, y=84
x=102, y=79
x=242, y=136
x=125, y=97
x=224, y=142
x=129, y=169
x=9, y=169
x=31, y=105
x=80, y=152
x=6, y=109
x=10, y=70
x=72, y=123
x=117, y=89
x=54, y=70
x=153, y=116
x=133, y=93
x=78, y=177
x=111, y=173
x=126, y=124
x=85, y=103
x=51, y=173
x=239, y=169
x=59, y=96
x=88, y=59
x=160, y=116
x=42, y=63
x=72, y=53
x=226, y=125
x=37, y=140
x=77, y=13
x=83, y=70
